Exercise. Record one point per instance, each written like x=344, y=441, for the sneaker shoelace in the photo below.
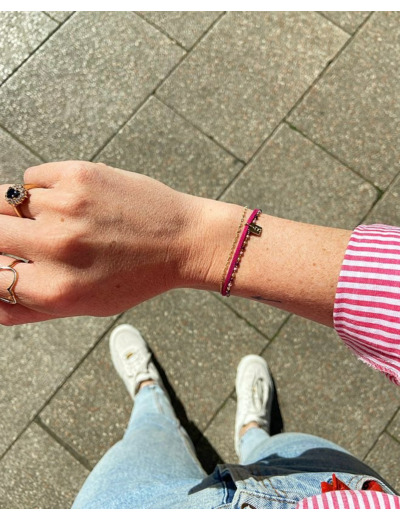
x=258, y=395
x=136, y=363
x=253, y=399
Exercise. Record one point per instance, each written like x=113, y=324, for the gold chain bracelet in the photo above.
x=233, y=249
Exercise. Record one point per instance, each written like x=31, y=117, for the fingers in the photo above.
x=47, y=175
x=44, y=175
x=29, y=208
x=18, y=236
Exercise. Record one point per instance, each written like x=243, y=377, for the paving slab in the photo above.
x=249, y=70
x=323, y=389
x=186, y=27
x=264, y=318
x=21, y=32
x=293, y=178
x=14, y=159
x=221, y=433
x=91, y=411
x=60, y=16
x=394, y=427
x=353, y=110
x=35, y=359
x=85, y=82
x=386, y=211
x=160, y=143
x=198, y=342
x=384, y=458
x=37, y=473
x=347, y=20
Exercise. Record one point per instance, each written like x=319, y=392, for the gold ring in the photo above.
x=17, y=194
x=12, y=300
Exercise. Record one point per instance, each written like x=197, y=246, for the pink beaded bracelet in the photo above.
x=249, y=228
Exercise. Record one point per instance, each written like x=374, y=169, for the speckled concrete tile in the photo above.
x=394, y=426
x=37, y=473
x=347, y=20
x=294, y=179
x=34, y=360
x=221, y=433
x=14, y=159
x=386, y=210
x=91, y=411
x=323, y=389
x=20, y=34
x=83, y=84
x=186, y=27
x=263, y=317
x=353, y=111
x=197, y=341
x=159, y=143
x=384, y=458
x=60, y=16
x=249, y=70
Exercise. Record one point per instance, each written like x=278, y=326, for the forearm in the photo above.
x=292, y=266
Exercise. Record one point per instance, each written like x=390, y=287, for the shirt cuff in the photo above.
x=366, y=312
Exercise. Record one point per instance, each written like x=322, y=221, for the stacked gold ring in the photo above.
x=17, y=194
x=12, y=299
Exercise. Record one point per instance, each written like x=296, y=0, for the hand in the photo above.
x=100, y=240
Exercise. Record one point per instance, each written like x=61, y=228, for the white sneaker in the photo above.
x=132, y=358
x=254, y=391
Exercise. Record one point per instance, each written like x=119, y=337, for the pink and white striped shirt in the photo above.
x=351, y=500
x=367, y=318
x=367, y=304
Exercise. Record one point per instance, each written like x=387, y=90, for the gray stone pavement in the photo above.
x=295, y=112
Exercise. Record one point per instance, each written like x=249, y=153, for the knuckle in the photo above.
x=68, y=245
x=82, y=172
x=73, y=204
x=30, y=172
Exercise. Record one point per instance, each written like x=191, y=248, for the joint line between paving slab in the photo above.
x=216, y=412
x=80, y=458
x=240, y=316
x=76, y=367
x=60, y=24
x=51, y=18
x=284, y=119
x=392, y=419
x=210, y=137
x=15, y=138
x=395, y=439
x=334, y=23
x=328, y=152
x=330, y=63
x=211, y=26
x=380, y=435
x=382, y=193
x=160, y=29
x=152, y=93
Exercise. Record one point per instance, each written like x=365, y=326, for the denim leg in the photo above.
x=154, y=465
x=256, y=445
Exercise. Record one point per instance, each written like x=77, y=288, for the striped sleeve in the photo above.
x=367, y=304
x=350, y=500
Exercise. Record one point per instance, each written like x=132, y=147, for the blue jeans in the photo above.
x=155, y=466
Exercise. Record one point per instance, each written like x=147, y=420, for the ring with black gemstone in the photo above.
x=17, y=194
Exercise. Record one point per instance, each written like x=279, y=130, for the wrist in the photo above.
x=207, y=242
